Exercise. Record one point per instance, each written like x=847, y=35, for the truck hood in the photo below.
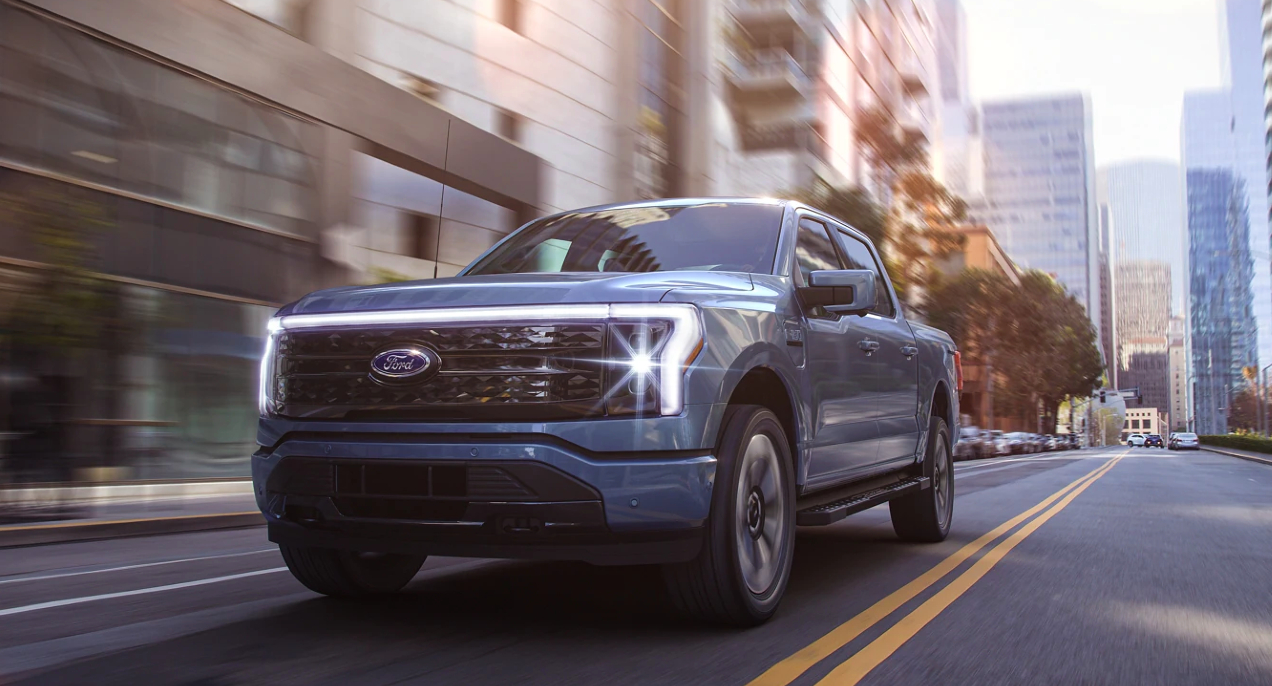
x=516, y=289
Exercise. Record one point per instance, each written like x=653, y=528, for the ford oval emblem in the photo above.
x=404, y=364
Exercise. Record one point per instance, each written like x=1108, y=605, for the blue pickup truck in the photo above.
x=672, y=382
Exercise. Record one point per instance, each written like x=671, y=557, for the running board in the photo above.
x=821, y=515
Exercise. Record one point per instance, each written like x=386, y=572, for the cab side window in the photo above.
x=859, y=257
x=814, y=251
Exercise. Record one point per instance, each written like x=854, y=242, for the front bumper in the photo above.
x=483, y=495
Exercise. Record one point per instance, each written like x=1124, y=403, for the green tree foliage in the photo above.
x=1036, y=337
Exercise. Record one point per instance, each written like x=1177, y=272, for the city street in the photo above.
x=1109, y=566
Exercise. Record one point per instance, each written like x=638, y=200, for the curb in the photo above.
x=19, y=535
x=1251, y=458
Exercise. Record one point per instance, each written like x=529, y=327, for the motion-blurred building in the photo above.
x=1040, y=189
x=796, y=75
x=1267, y=95
x=1221, y=303
x=1141, y=209
x=170, y=173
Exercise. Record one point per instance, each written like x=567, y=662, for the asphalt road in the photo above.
x=1063, y=568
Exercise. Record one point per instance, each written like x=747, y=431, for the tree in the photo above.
x=1034, y=337
x=1243, y=411
x=921, y=213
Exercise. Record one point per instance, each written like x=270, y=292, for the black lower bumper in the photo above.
x=420, y=538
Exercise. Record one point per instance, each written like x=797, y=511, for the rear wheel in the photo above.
x=924, y=516
x=741, y=573
x=350, y=574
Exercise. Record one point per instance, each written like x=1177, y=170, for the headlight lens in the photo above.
x=651, y=348
x=265, y=399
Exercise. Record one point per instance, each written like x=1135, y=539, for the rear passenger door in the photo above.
x=893, y=369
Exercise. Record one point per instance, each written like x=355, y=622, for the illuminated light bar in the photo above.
x=682, y=348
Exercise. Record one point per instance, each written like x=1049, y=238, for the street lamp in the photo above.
x=1262, y=381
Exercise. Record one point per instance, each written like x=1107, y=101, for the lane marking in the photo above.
x=105, y=522
x=792, y=667
x=141, y=591
x=63, y=575
x=855, y=668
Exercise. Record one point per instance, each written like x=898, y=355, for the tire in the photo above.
x=924, y=516
x=349, y=574
x=733, y=581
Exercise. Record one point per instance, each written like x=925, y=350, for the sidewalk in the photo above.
x=1263, y=458
x=58, y=514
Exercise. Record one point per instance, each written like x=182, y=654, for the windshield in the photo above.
x=1187, y=436
x=722, y=237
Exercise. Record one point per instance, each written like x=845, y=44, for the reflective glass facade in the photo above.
x=1221, y=308
x=1039, y=189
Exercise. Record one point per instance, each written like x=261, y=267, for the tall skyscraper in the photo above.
x=1040, y=189
x=953, y=162
x=1223, y=335
x=1226, y=129
x=1267, y=94
x=1178, y=363
x=1141, y=212
x=1142, y=319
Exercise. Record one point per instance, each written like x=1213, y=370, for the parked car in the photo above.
x=1185, y=441
x=673, y=382
x=1018, y=442
x=1153, y=441
x=1002, y=445
x=1053, y=443
x=1135, y=440
x=969, y=443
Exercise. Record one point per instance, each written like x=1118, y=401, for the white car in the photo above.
x=1136, y=440
x=1184, y=441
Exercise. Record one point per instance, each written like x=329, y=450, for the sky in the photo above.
x=1134, y=57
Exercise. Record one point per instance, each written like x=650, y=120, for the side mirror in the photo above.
x=842, y=291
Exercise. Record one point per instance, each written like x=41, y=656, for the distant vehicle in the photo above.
x=1135, y=440
x=1153, y=441
x=1054, y=443
x=1019, y=443
x=1184, y=441
x=969, y=443
x=1001, y=444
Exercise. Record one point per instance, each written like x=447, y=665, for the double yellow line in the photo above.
x=860, y=663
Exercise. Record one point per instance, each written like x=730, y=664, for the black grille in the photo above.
x=327, y=373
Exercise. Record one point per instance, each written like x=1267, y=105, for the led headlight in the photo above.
x=265, y=399
x=650, y=349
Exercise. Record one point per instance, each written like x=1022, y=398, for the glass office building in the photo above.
x=1040, y=188
x=1221, y=307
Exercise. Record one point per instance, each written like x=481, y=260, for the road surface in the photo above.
x=1109, y=566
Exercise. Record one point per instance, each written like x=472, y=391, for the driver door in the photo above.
x=844, y=432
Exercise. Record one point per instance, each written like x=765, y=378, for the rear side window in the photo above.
x=859, y=257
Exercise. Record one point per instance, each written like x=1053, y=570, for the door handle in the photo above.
x=868, y=346
x=909, y=351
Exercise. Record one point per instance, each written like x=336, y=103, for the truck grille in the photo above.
x=327, y=373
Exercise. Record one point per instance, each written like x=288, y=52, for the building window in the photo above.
x=660, y=96
x=509, y=14
x=508, y=125
x=1135, y=423
x=422, y=236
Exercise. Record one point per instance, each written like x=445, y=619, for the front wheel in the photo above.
x=346, y=573
x=924, y=516
x=741, y=573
